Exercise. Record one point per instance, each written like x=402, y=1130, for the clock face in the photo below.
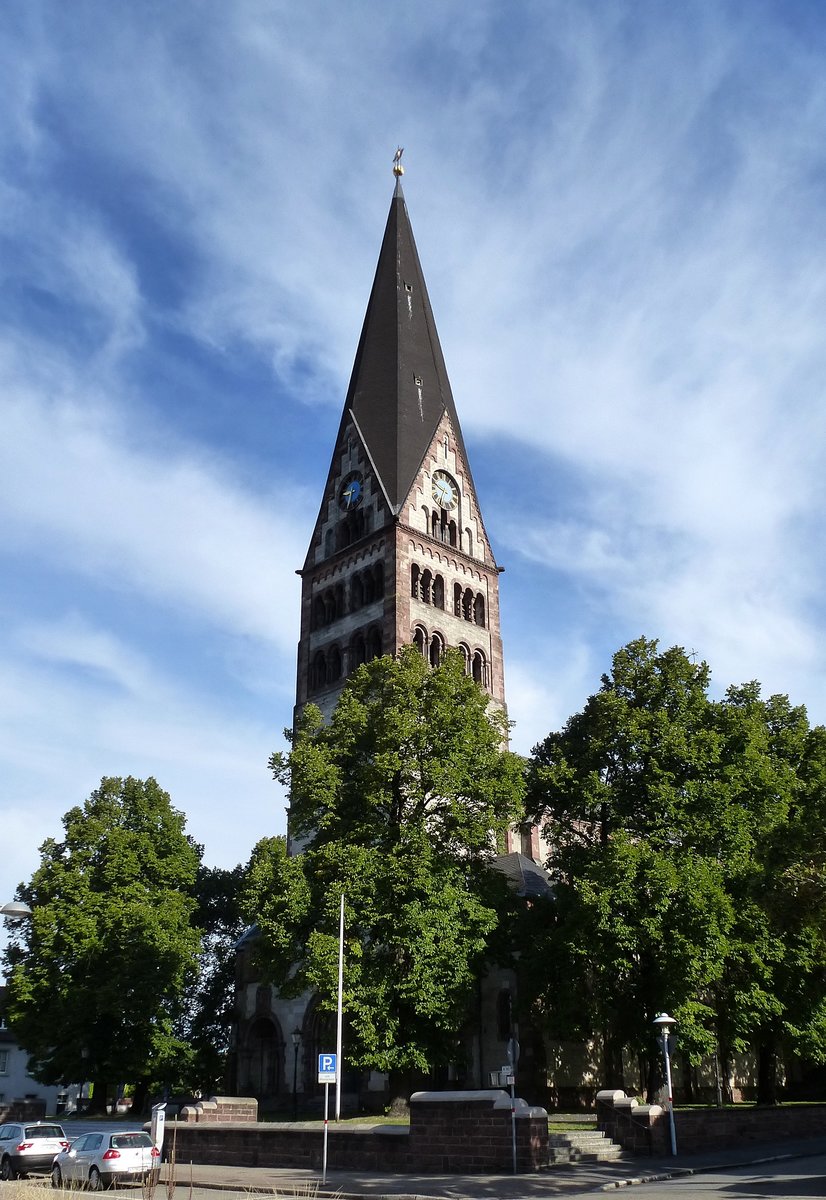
x=445, y=491
x=352, y=491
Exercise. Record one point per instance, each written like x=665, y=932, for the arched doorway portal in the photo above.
x=262, y=1060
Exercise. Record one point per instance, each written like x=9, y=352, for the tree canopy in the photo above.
x=98, y=974
x=399, y=800
x=677, y=829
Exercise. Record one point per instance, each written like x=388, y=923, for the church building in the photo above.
x=399, y=554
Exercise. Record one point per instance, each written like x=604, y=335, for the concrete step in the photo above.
x=588, y=1146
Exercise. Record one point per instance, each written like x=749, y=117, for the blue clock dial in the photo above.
x=351, y=492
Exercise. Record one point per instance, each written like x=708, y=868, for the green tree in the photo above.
x=399, y=799
x=643, y=828
x=688, y=859
x=771, y=994
x=207, y=1019
x=98, y=975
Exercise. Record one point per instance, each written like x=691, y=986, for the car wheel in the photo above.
x=95, y=1180
x=57, y=1177
x=7, y=1171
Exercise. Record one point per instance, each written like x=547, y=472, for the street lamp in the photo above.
x=664, y=1024
x=15, y=910
x=296, y=1036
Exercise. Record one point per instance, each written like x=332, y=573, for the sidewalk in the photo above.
x=563, y=1180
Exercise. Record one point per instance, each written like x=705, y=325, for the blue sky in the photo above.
x=620, y=210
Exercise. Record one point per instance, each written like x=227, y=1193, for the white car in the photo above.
x=101, y=1159
x=29, y=1147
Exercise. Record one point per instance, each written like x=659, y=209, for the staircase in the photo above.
x=589, y=1146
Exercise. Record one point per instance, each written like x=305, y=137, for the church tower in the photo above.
x=399, y=553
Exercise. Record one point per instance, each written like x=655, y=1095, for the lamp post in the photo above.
x=15, y=910
x=296, y=1036
x=664, y=1023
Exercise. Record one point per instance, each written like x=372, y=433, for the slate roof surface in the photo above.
x=524, y=876
x=399, y=389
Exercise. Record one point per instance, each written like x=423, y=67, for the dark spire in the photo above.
x=399, y=387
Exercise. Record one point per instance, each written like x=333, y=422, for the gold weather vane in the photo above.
x=398, y=169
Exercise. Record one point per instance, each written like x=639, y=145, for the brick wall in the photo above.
x=449, y=1131
x=644, y=1128
x=221, y=1110
x=23, y=1110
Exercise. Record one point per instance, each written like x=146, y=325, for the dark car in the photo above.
x=29, y=1146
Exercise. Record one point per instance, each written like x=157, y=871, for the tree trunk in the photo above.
x=767, y=1077
x=139, y=1097
x=726, y=1073
x=612, y=1061
x=97, y=1104
x=399, y=1084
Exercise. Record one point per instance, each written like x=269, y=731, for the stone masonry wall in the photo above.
x=449, y=1131
x=221, y=1110
x=644, y=1128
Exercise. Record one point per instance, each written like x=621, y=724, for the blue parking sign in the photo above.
x=327, y=1068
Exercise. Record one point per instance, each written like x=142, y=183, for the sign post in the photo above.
x=158, y=1123
x=327, y=1074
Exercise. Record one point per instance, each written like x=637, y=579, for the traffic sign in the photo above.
x=327, y=1072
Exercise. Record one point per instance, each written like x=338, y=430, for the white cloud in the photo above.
x=620, y=218
x=166, y=524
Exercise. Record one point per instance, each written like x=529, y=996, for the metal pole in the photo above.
x=326, y=1110
x=295, y=1080
x=339, y=1021
x=513, y=1119
x=667, y=1058
x=718, y=1080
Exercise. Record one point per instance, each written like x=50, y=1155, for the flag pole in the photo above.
x=340, y=1007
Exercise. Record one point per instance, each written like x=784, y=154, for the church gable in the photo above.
x=447, y=582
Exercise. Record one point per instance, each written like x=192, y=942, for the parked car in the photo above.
x=31, y=1146
x=101, y=1159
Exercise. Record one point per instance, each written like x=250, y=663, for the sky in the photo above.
x=620, y=211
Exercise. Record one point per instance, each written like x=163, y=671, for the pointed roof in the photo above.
x=399, y=389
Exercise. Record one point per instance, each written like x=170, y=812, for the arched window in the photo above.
x=356, y=593
x=425, y=587
x=350, y=528
x=358, y=651
x=479, y=609
x=480, y=669
x=414, y=581
x=378, y=576
x=467, y=605
x=450, y=533
x=333, y=664
x=437, y=649
x=328, y=543
x=339, y=597
x=434, y=525
x=318, y=613
x=469, y=540
x=329, y=607
x=318, y=671
x=369, y=586
x=374, y=643
x=420, y=640
x=438, y=592
x=466, y=656
x=457, y=599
